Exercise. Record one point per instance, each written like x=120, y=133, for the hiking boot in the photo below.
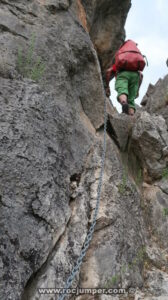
x=131, y=111
x=125, y=108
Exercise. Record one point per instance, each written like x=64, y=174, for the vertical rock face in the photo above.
x=156, y=99
x=50, y=157
x=106, y=20
x=149, y=139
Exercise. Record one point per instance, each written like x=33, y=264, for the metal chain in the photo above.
x=91, y=229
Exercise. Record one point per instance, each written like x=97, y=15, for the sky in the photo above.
x=147, y=24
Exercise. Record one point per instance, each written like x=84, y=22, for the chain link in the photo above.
x=91, y=229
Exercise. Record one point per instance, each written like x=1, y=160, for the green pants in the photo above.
x=127, y=83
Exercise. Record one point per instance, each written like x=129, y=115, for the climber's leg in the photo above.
x=131, y=111
x=133, y=86
x=121, y=86
x=124, y=103
x=122, y=98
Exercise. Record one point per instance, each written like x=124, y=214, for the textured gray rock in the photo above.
x=119, y=235
x=157, y=204
x=102, y=16
x=156, y=99
x=36, y=134
x=46, y=137
x=149, y=92
x=51, y=136
x=149, y=138
x=163, y=185
x=64, y=47
x=158, y=281
x=122, y=128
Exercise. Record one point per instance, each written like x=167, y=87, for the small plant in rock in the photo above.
x=139, y=177
x=165, y=212
x=141, y=257
x=29, y=65
x=165, y=173
x=122, y=185
x=112, y=281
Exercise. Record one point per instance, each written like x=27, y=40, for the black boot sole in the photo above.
x=125, y=108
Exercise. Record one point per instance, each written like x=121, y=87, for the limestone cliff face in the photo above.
x=51, y=134
x=106, y=20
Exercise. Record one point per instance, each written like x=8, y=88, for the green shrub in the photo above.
x=139, y=258
x=29, y=65
x=139, y=177
x=122, y=185
x=112, y=281
x=165, y=212
x=165, y=173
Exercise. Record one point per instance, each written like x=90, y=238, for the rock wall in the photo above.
x=51, y=136
x=106, y=20
x=156, y=98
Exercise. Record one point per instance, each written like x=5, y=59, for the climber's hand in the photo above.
x=108, y=92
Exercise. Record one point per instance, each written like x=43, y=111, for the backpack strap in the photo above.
x=146, y=60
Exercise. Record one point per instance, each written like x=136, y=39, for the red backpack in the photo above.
x=129, y=58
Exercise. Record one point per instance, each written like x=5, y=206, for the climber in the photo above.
x=129, y=62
